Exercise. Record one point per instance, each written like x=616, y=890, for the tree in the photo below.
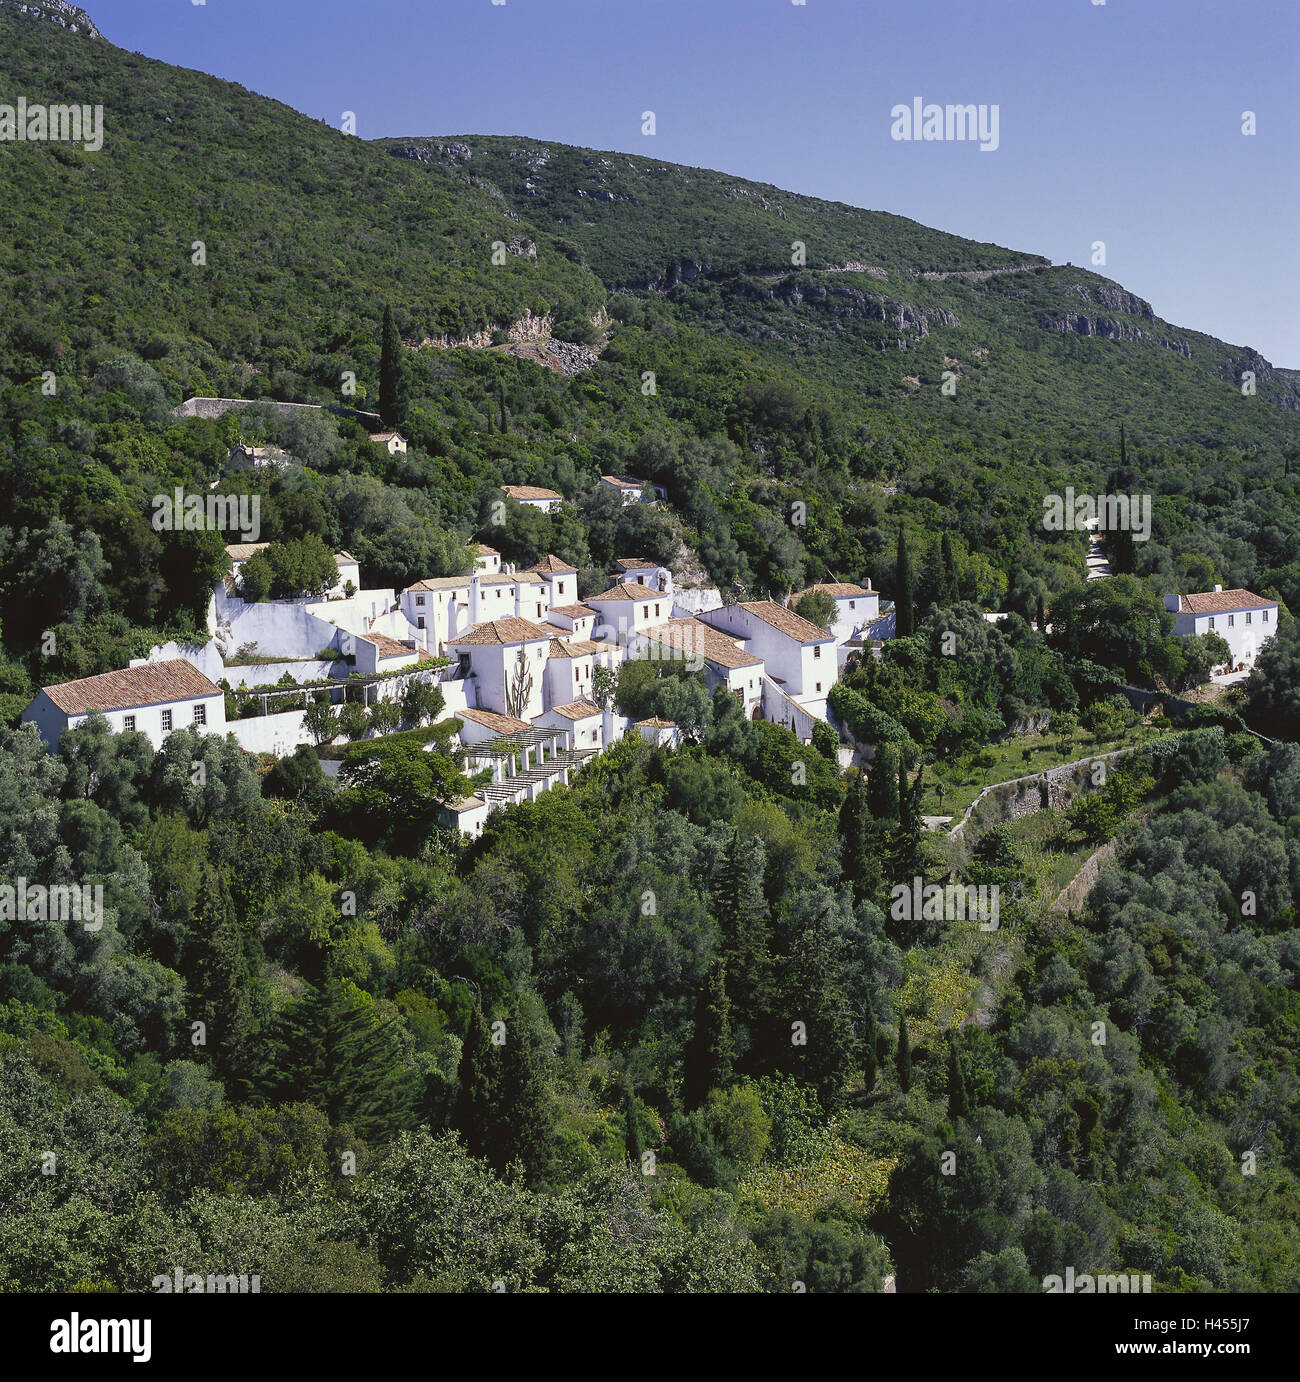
x=904, y=591
x=524, y=1116
x=827, y=1057
x=710, y=1055
x=817, y=608
x=948, y=590
x=392, y=377
x=903, y=1056
x=631, y=1122
x=1120, y=623
x=353, y=720
x=386, y=715
x=321, y=721
x=958, y=1086
x=478, y=1092
x=219, y=973
x=742, y=913
x=519, y=690
x=859, y=863
x=422, y=702
x=870, y=1047
x=1273, y=691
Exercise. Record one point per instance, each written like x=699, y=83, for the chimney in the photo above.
x=1218, y=590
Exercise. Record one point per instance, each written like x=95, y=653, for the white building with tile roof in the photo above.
x=1244, y=620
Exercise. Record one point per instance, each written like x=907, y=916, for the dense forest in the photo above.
x=661, y=1030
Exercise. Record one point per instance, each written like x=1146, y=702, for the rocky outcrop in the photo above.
x=58, y=12
x=1110, y=329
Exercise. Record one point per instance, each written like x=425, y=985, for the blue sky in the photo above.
x=1119, y=122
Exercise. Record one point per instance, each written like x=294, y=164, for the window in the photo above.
x=1264, y=616
x=539, y=611
x=200, y=714
x=421, y=623
x=819, y=687
x=1232, y=619
x=646, y=611
x=419, y=599
x=559, y=585
x=853, y=604
x=1211, y=621
x=128, y=721
x=1248, y=616
x=817, y=652
x=656, y=611
x=166, y=719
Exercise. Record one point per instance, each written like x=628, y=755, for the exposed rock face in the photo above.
x=1110, y=329
x=58, y=12
x=1115, y=298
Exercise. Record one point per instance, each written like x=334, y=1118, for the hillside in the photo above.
x=307, y=232
x=883, y=306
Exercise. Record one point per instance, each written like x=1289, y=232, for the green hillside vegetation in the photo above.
x=654, y=936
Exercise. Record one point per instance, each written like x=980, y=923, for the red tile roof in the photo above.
x=522, y=492
x=502, y=631
x=577, y=710
x=489, y=719
x=627, y=590
x=551, y=565
x=1222, y=601
x=156, y=683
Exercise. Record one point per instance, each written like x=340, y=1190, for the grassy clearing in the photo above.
x=952, y=784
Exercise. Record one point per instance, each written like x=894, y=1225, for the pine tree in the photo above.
x=710, y=1055
x=870, y=1047
x=958, y=1088
x=478, y=1097
x=903, y=1056
x=220, y=975
x=905, y=595
x=392, y=376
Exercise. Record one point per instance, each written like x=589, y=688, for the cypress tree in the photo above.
x=828, y=1058
x=958, y=1088
x=903, y=1056
x=478, y=1096
x=1041, y=620
x=523, y=1115
x=858, y=862
x=632, y=1124
x=742, y=913
x=870, y=1047
x=951, y=592
x=501, y=403
x=219, y=973
x=392, y=378
x=882, y=791
x=905, y=595
x=710, y=1055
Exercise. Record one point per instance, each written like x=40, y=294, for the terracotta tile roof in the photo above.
x=347, y=557
x=155, y=683
x=529, y=492
x=575, y=648
x=837, y=590
x=241, y=551
x=622, y=482
x=386, y=436
x=627, y=590
x=1222, y=602
x=440, y=583
x=463, y=804
x=502, y=631
x=690, y=636
x=574, y=611
x=577, y=710
x=635, y=564
x=785, y=621
x=489, y=719
x=551, y=565
x=654, y=722
x=388, y=647
x=483, y=551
